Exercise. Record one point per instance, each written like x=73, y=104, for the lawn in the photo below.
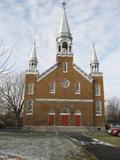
x=107, y=138
x=42, y=146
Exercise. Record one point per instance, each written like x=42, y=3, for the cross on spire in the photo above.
x=64, y=4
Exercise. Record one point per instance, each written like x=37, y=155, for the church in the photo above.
x=64, y=95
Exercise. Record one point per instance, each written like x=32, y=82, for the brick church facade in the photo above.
x=64, y=95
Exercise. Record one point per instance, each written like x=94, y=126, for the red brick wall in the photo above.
x=41, y=90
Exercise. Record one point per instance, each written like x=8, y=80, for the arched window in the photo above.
x=51, y=112
x=59, y=48
x=97, y=90
x=65, y=111
x=65, y=67
x=52, y=87
x=30, y=107
x=64, y=46
x=69, y=48
x=98, y=108
x=77, y=88
x=30, y=88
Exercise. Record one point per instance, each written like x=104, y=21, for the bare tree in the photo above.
x=11, y=94
x=5, y=55
x=113, y=110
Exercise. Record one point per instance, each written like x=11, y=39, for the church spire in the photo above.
x=64, y=38
x=33, y=59
x=94, y=63
x=64, y=27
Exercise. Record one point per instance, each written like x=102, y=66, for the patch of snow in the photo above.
x=40, y=147
x=101, y=142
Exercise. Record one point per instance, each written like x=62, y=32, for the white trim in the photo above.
x=100, y=74
x=31, y=72
x=82, y=73
x=67, y=100
x=51, y=114
x=77, y=113
x=65, y=113
x=76, y=92
x=98, y=115
x=64, y=55
x=29, y=113
x=47, y=72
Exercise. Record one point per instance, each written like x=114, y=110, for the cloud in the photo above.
x=90, y=21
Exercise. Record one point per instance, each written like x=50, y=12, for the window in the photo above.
x=69, y=48
x=98, y=108
x=65, y=67
x=64, y=111
x=30, y=107
x=59, y=48
x=97, y=90
x=64, y=46
x=65, y=83
x=30, y=88
x=52, y=87
x=77, y=88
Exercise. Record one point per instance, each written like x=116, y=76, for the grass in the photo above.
x=107, y=138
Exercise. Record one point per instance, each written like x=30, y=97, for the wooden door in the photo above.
x=51, y=120
x=77, y=120
x=65, y=120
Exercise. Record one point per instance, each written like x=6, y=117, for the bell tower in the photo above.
x=64, y=38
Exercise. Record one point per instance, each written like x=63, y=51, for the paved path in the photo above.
x=103, y=151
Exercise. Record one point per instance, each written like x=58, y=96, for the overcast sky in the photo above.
x=91, y=21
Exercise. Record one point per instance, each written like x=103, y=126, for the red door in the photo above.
x=65, y=120
x=51, y=120
x=77, y=120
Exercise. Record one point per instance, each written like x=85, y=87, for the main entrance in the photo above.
x=65, y=117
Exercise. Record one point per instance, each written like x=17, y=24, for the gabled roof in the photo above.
x=80, y=71
x=85, y=75
x=48, y=71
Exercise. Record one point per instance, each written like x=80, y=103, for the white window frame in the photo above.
x=97, y=90
x=98, y=113
x=77, y=91
x=52, y=89
x=29, y=111
x=65, y=67
x=30, y=88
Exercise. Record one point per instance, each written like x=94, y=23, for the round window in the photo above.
x=65, y=83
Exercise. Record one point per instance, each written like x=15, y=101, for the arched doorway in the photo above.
x=77, y=118
x=65, y=117
x=51, y=118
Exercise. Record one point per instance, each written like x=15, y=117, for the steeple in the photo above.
x=33, y=59
x=64, y=27
x=94, y=63
x=64, y=38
